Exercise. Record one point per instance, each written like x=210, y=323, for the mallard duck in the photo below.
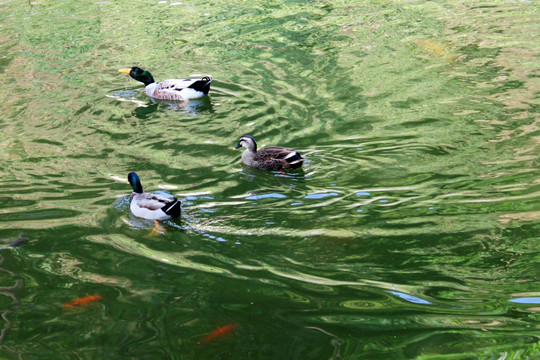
x=270, y=157
x=172, y=89
x=151, y=206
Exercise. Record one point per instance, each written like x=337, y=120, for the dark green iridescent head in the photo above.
x=135, y=182
x=141, y=75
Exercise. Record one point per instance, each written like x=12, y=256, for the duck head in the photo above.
x=139, y=74
x=135, y=182
x=248, y=142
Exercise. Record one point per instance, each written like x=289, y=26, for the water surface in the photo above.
x=410, y=233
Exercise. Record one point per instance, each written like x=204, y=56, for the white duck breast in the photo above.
x=176, y=89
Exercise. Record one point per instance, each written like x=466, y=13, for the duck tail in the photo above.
x=202, y=85
x=173, y=208
x=294, y=159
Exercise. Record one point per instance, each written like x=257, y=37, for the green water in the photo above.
x=412, y=231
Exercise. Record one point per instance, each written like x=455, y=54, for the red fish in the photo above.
x=224, y=330
x=84, y=301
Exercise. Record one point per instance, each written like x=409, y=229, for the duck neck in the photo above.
x=248, y=154
x=252, y=147
x=137, y=188
x=146, y=83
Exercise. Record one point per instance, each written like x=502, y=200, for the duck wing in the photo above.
x=202, y=85
x=275, y=152
x=152, y=202
x=277, y=157
x=278, y=152
x=181, y=89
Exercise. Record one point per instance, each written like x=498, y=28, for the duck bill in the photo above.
x=237, y=147
x=125, y=71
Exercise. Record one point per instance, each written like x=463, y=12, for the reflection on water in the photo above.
x=145, y=106
x=410, y=231
x=11, y=292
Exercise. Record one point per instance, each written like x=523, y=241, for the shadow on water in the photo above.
x=191, y=107
x=146, y=106
x=250, y=173
x=10, y=291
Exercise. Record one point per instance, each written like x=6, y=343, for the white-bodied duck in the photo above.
x=151, y=206
x=172, y=89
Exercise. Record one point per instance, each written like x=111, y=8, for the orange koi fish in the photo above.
x=84, y=301
x=224, y=330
